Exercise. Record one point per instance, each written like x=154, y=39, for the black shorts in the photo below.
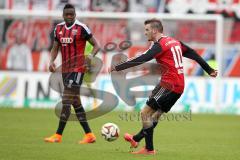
x=72, y=80
x=162, y=99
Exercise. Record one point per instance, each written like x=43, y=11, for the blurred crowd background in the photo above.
x=25, y=42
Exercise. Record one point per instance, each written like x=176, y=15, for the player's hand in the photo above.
x=111, y=69
x=52, y=67
x=88, y=62
x=214, y=73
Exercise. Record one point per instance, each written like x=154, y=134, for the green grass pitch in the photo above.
x=212, y=137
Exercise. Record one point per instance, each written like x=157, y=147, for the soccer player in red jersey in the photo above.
x=70, y=37
x=168, y=53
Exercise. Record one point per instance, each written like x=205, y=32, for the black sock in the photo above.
x=65, y=113
x=148, y=133
x=138, y=137
x=81, y=115
x=61, y=127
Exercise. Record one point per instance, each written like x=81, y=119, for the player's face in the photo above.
x=148, y=32
x=69, y=15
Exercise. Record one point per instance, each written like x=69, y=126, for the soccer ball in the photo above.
x=110, y=131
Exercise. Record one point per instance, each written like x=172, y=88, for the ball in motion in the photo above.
x=110, y=131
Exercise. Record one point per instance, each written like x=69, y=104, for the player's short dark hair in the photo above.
x=67, y=6
x=155, y=23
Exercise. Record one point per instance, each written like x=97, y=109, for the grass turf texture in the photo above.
x=204, y=137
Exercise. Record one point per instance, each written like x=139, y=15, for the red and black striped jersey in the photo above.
x=72, y=41
x=168, y=53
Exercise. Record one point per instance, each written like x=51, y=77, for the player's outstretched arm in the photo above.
x=53, y=56
x=147, y=56
x=192, y=54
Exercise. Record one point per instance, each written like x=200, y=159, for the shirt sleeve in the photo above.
x=86, y=32
x=192, y=54
x=147, y=56
x=55, y=34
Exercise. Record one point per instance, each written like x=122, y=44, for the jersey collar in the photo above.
x=71, y=25
x=162, y=36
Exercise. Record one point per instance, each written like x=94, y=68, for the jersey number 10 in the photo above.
x=177, y=56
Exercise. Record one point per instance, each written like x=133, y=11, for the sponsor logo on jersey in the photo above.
x=74, y=32
x=66, y=40
x=60, y=32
